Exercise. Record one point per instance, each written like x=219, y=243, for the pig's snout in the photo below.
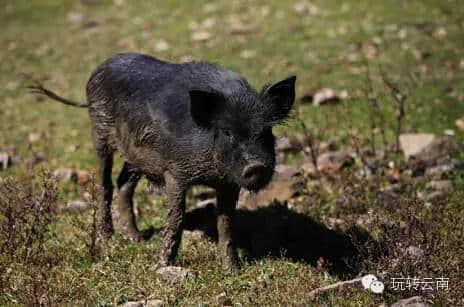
x=256, y=175
x=253, y=171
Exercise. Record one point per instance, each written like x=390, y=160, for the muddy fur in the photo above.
x=181, y=125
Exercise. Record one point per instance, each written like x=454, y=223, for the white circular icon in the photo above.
x=370, y=282
x=377, y=287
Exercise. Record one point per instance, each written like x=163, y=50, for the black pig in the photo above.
x=180, y=125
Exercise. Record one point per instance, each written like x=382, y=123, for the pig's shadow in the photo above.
x=276, y=231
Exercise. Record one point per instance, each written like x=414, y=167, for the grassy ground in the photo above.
x=417, y=44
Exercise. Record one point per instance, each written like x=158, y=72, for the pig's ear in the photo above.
x=278, y=99
x=205, y=107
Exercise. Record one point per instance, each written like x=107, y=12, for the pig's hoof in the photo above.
x=142, y=235
x=231, y=267
x=174, y=274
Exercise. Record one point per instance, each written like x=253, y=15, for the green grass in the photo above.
x=323, y=48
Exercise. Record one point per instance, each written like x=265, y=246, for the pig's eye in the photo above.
x=228, y=134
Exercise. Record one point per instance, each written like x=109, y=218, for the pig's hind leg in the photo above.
x=127, y=182
x=105, y=221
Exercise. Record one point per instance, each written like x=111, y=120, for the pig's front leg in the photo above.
x=227, y=197
x=175, y=220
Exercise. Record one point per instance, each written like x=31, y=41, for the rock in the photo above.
x=327, y=96
x=248, y=54
x=223, y=300
x=439, y=170
x=76, y=205
x=370, y=51
x=201, y=36
x=154, y=303
x=439, y=33
x=34, y=137
x=439, y=148
x=440, y=185
x=415, y=252
x=149, y=303
x=208, y=23
x=83, y=177
x=193, y=235
x=415, y=301
x=241, y=29
x=175, y=274
x=72, y=148
x=65, y=174
x=285, y=144
x=435, y=197
x=413, y=144
x=285, y=172
x=460, y=121
x=308, y=168
x=334, y=161
x=161, y=45
x=5, y=160
x=77, y=18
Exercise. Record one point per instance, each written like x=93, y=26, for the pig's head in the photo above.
x=241, y=126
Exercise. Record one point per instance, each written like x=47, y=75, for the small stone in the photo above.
x=34, y=137
x=149, y=303
x=325, y=96
x=435, y=197
x=5, y=160
x=402, y=34
x=439, y=33
x=76, y=205
x=210, y=7
x=449, y=132
x=154, y=303
x=415, y=301
x=334, y=161
x=83, y=177
x=193, y=235
x=72, y=148
x=439, y=185
x=308, y=168
x=161, y=46
x=65, y=174
x=201, y=36
x=415, y=252
x=299, y=7
x=460, y=122
x=76, y=18
x=241, y=29
x=174, y=274
x=439, y=170
x=286, y=145
x=223, y=300
x=248, y=54
x=413, y=144
x=285, y=172
x=370, y=51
